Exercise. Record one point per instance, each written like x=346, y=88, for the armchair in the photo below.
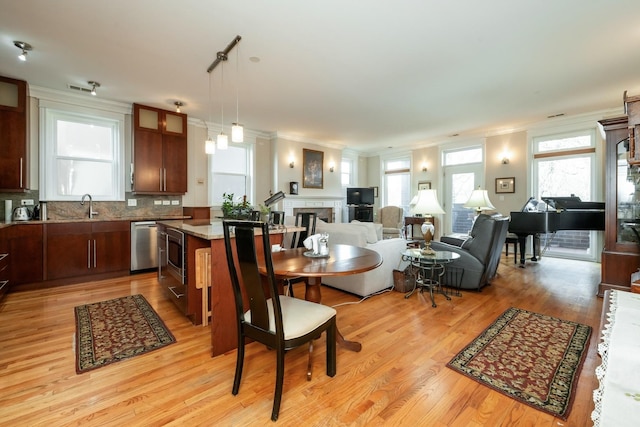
x=391, y=218
x=480, y=253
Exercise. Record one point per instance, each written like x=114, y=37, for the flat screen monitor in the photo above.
x=360, y=196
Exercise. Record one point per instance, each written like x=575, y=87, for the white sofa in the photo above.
x=367, y=235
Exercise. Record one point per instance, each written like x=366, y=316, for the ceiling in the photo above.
x=359, y=74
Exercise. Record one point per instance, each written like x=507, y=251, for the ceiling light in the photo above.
x=93, y=85
x=178, y=104
x=222, y=140
x=209, y=146
x=25, y=47
x=237, y=130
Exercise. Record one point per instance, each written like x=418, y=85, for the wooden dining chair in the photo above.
x=307, y=220
x=276, y=217
x=277, y=321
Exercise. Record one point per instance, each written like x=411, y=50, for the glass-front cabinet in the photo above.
x=621, y=252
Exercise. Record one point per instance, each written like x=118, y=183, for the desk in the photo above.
x=343, y=260
x=427, y=270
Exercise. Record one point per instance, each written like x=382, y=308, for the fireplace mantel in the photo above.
x=311, y=202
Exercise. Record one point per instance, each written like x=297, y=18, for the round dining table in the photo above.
x=342, y=260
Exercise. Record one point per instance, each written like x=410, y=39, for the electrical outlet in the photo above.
x=132, y=202
x=175, y=202
x=26, y=202
x=166, y=202
x=157, y=202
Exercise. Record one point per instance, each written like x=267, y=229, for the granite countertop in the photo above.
x=212, y=229
x=4, y=224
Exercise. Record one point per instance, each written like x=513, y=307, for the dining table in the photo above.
x=342, y=260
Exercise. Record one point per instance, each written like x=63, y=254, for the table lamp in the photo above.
x=479, y=201
x=427, y=204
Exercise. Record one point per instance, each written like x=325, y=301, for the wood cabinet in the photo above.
x=160, y=151
x=27, y=253
x=621, y=252
x=5, y=266
x=21, y=255
x=87, y=248
x=13, y=135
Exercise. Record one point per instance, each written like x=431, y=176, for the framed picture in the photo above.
x=312, y=168
x=293, y=187
x=506, y=185
x=424, y=185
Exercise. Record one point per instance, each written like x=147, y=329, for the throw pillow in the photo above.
x=372, y=233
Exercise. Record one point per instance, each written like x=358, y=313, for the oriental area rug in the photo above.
x=117, y=329
x=533, y=358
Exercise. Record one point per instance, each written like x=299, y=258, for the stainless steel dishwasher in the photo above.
x=144, y=245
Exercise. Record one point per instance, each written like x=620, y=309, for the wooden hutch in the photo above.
x=621, y=252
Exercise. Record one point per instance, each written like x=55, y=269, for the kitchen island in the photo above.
x=208, y=234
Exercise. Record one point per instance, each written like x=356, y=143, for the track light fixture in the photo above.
x=178, y=104
x=93, y=85
x=237, y=131
x=25, y=47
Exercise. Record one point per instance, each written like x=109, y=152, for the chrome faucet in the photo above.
x=91, y=211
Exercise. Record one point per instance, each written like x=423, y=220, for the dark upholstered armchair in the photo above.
x=479, y=254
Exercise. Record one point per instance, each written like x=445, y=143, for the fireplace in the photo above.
x=323, y=213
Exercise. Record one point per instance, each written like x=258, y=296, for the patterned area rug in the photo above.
x=117, y=329
x=530, y=357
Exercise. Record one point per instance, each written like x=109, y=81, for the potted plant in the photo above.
x=236, y=210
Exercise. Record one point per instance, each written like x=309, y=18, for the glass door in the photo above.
x=459, y=182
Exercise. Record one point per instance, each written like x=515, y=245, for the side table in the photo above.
x=427, y=269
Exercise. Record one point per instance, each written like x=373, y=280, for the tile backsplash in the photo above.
x=145, y=206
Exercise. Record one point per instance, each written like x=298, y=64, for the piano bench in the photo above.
x=511, y=239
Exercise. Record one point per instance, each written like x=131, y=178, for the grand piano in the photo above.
x=553, y=214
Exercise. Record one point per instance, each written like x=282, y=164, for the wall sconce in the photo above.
x=291, y=162
x=331, y=167
x=424, y=167
x=504, y=157
x=505, y=160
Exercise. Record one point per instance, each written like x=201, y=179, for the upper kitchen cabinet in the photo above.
x=13, y=135
x=159, y=151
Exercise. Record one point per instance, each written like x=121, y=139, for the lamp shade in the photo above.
x=479, y=201
x=427, y=203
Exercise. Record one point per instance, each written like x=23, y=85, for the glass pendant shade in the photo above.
x=209, y=146
x=222, y=141
x=237, y=132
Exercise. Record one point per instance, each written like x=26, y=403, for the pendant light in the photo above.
x=222, y=140
x=237, y=130
x=209, y=145
x=221, y=57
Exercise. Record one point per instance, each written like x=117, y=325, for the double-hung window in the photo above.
x=81, y=151
x=230, y=173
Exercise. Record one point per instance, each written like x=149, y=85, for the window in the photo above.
x=564, y=165
x=397, y=182
x=82, y=152
x=230, y=173
x=346, y=172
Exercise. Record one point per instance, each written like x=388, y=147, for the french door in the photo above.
x=459, y=182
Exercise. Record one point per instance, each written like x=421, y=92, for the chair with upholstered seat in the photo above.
x=391, y=218
x=277, y=321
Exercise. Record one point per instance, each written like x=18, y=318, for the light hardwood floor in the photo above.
x=399, y=378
